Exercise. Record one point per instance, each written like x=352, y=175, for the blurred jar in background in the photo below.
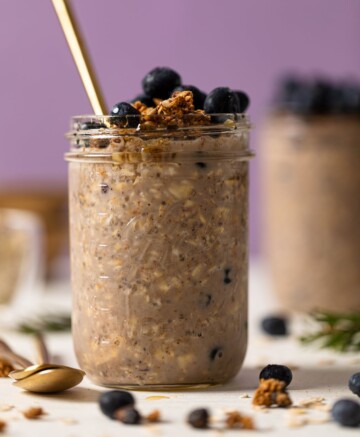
x=310, y=157
x=21, y=259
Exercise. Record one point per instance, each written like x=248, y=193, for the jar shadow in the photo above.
x=78, y=394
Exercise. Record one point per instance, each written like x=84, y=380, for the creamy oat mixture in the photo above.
x=311, y=185
x=159, y=257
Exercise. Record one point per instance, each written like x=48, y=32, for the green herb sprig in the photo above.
x=340, y=332
x=46, y=323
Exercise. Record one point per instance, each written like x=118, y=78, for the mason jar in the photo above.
x=311, y=185
x=159, y=250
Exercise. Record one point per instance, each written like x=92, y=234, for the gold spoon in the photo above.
x=43, y=377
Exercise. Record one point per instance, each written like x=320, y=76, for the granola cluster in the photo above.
x=33, y=413
x=235, y=419
x=271, y=392
x=5, y=368
x=177, y=111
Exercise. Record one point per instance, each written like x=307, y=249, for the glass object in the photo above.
x=311, y=186
x=159, y=252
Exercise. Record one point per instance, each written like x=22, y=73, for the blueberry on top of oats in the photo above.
x=112, y=401
x=123, y=109
x=221, y=100
x=199, y=418
x=91, y=125
x=278, y=372
x=244, y=100
x=144, y=99
x=160, y=82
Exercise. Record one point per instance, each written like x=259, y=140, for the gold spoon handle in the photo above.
x=42, y=350
x=7, y=353
x=80, y=55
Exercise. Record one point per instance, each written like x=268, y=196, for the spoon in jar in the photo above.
x=44, y=377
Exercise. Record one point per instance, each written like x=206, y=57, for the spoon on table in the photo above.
x=43, y=377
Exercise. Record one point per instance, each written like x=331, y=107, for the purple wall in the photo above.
x=239, y=43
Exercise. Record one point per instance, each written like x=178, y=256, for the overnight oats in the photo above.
x=311, y=183
x=159, y=255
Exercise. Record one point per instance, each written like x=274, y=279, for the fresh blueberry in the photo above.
x=354, y=383
x=320, y=97
x=274, y=325
x=227, y=279
x=221, y=100
x=128, y=115
x=145, y=99
x=346, y=98
x=199, y=96
x=244, y=100
x=199, y=418
x=160, y=82
x=130, y=416
x=200, y=164
x=216, y=353
x=113, y=400
x=346, y=412
x=277, y=371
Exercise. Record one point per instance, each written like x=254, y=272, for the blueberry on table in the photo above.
x=124, y=109
x=199, y=418
x=346, y=412
x=221, y=100
x=129, y=416
x=114, y=400
x=244, y=100
x=354, y=383
x=277, y=371
x=274, y=325
x=198, y=96
x=145, y=99
x=160, y=82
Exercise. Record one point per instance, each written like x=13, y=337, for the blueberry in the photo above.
x=346, y=98
x=222, y=101
x=227, y=280
x=199, y=418
x=244, y=100
x=123, y=110
x=113, y=400
x=274, y=325
x=104, y=187
x=145, y=99
x=354, y=383
x=277, y=371
x=129, y=416
x=199, y=96
x=216, y=353
x=86, y=125
x=160, y=82
x=200, y=164
x=346, y=412
x=320, y=97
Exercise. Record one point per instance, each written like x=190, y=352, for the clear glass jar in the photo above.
x=311, y=185
x=159, y=252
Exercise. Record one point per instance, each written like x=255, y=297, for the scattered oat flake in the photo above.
x=326, y=362
x=244, y=396
x=154, y=416
x=312, y=402
x=296, y=422
x=68, y=421
x=297, y=411
x=6, y=407
x=318, y=420
x=156, y=398
x=33, y=413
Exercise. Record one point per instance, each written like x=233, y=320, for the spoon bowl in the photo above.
x=51, y=380
x=18, y=375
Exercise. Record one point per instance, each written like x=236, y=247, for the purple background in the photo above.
x=243, y=44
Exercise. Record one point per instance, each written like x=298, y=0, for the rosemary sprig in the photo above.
x=340, y=332
x=46, y=323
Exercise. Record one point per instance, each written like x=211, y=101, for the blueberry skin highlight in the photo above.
x=122, y=110
x=346, y=412
x=277, y=371
x=113, y=400
x=160, y=82
x=354, y=383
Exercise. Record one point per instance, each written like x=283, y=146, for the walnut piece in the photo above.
x=153, y=417
x=235, y=419
x=34, y=413
x=5, y=368
x=271, y=392
x=2, y=425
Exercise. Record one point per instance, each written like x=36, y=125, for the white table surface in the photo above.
x=76, y=413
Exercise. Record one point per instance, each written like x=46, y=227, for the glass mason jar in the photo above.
x=311, y=186
x=159, y=252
